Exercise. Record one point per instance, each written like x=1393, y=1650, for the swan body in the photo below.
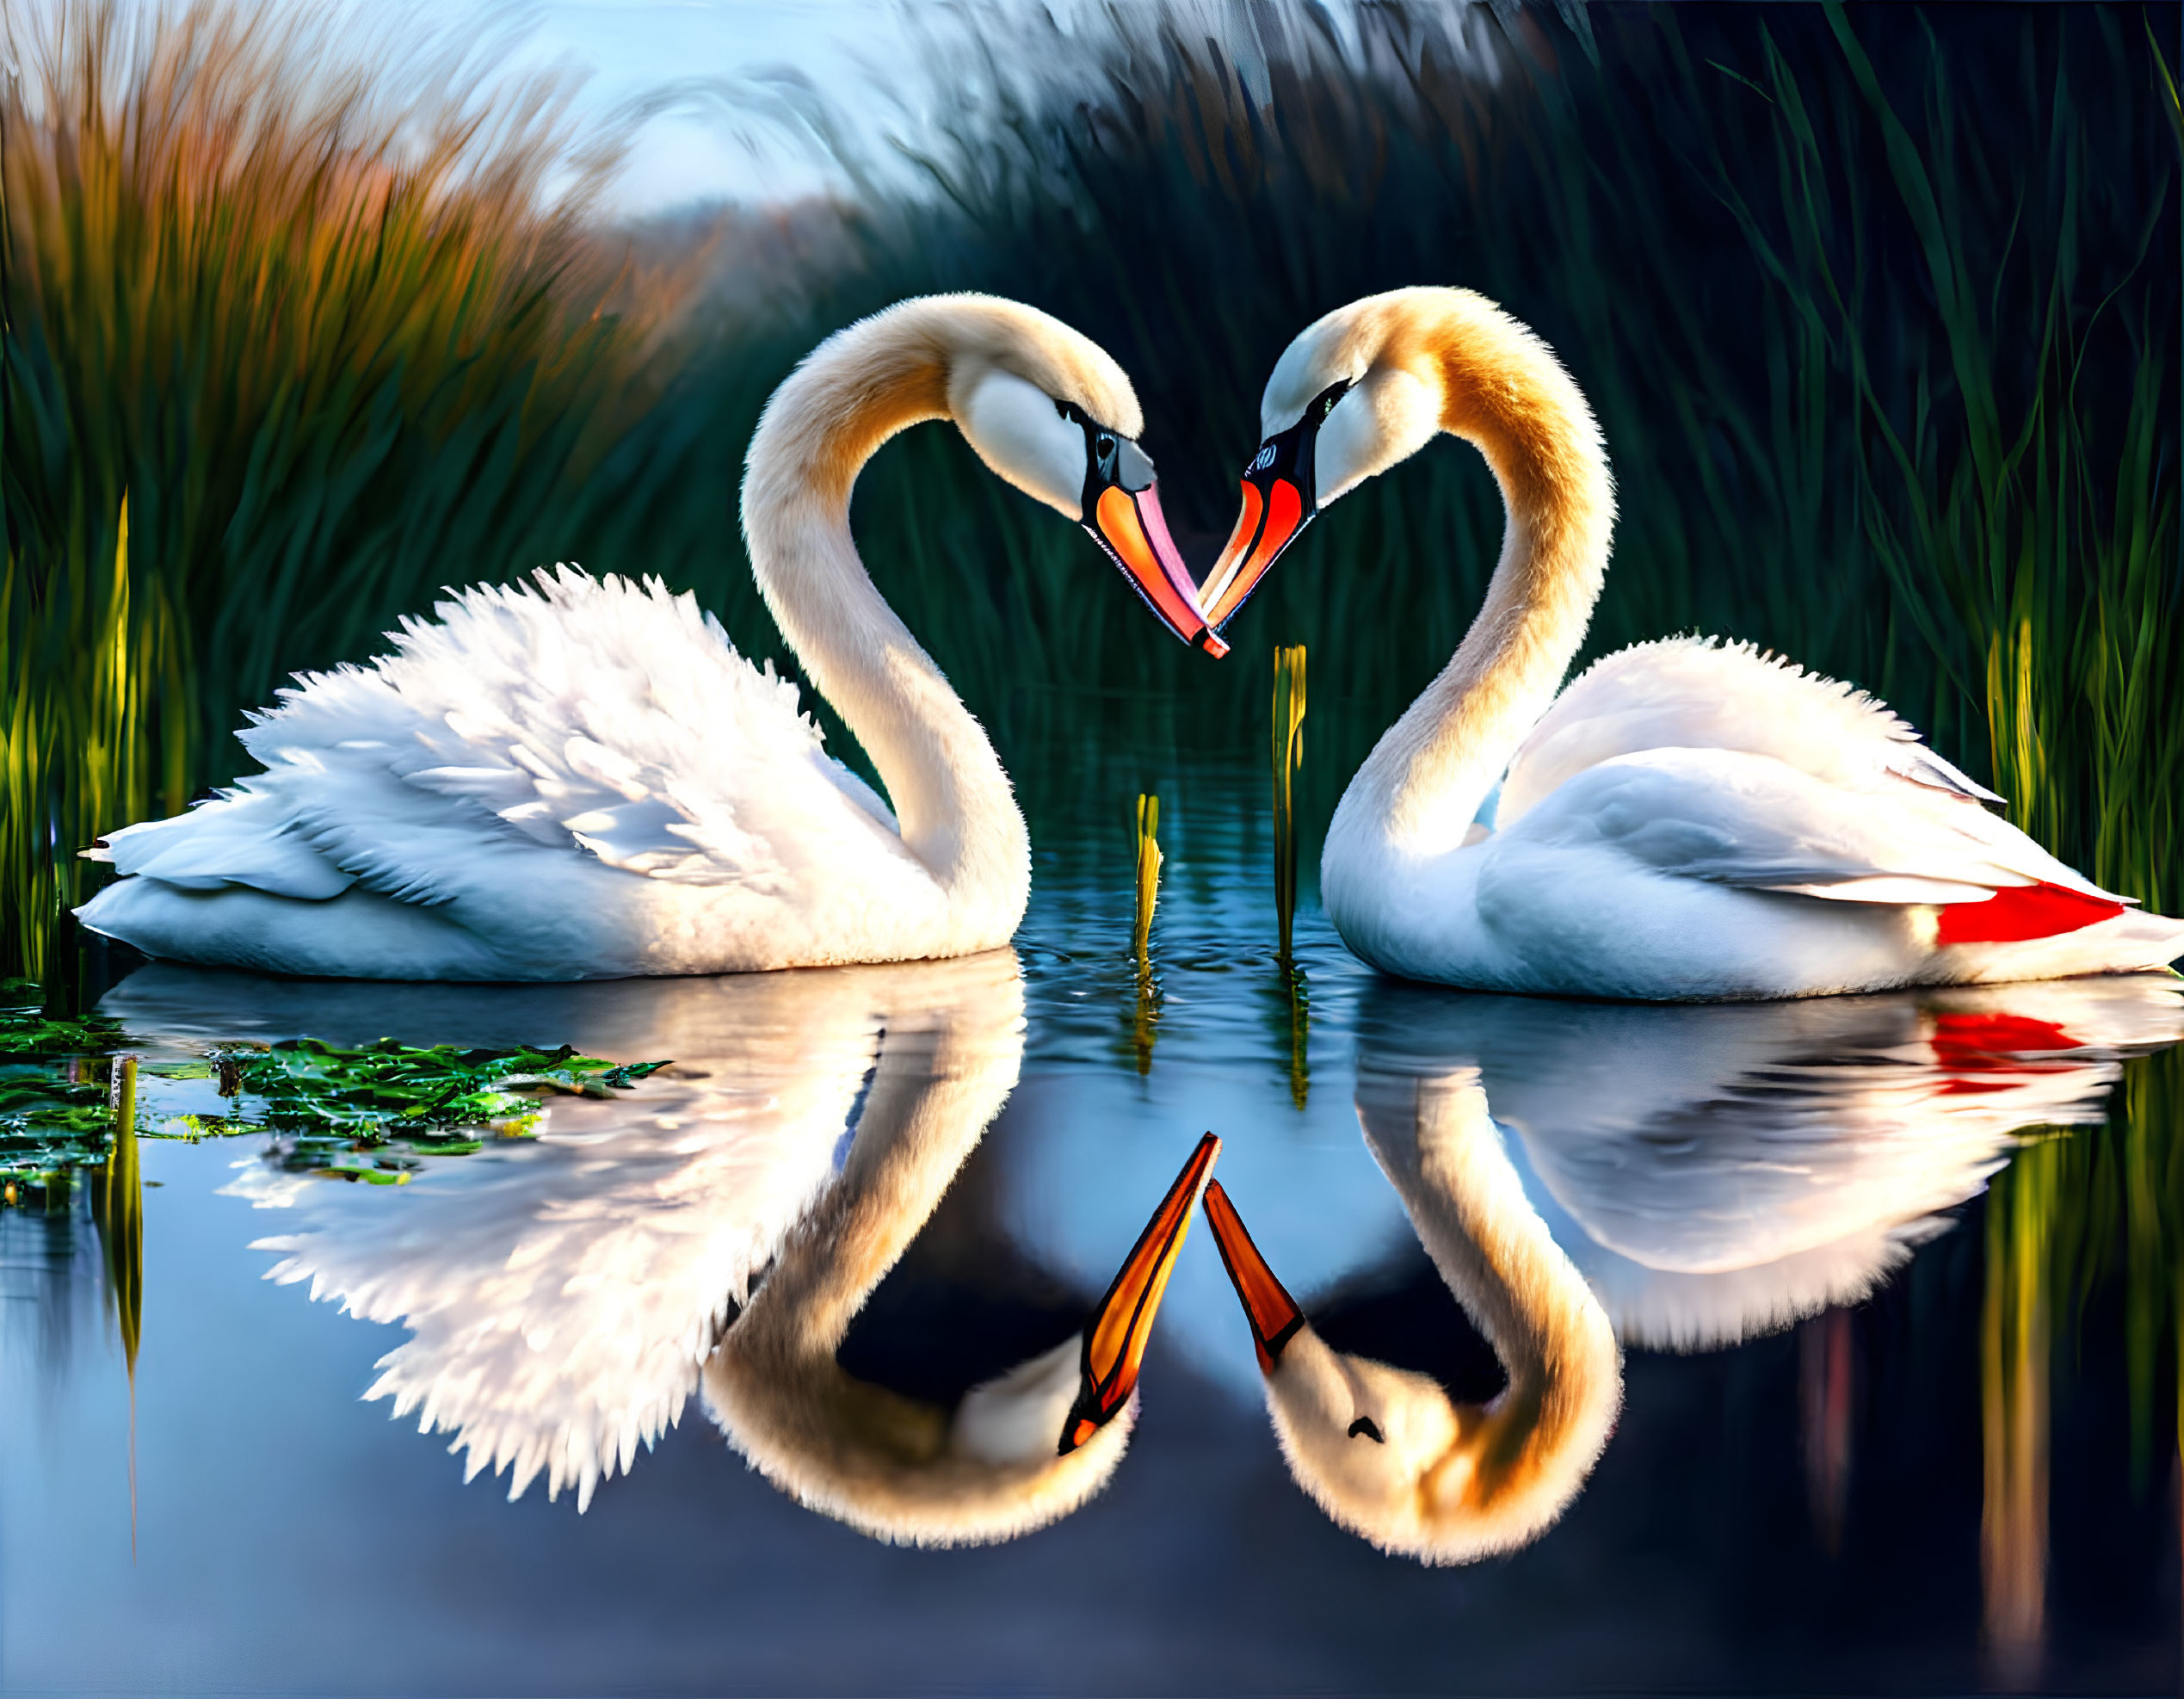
x=582, y=779
x=1688, y=820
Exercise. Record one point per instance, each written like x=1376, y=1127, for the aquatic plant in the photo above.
x=390, y=1088
x=1148, y=878
x=1144, y=1021
x=1288, y=758
x=118, y=1206
x=387, y=1102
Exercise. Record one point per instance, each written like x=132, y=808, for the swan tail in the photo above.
x=238, y=839
x=2128, y=941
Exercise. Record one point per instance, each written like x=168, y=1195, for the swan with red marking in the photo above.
x=1690, y=819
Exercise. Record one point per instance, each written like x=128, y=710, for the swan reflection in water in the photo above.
x=566, y=1297
x=1679, y=1177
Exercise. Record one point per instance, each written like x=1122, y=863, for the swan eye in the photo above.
x=1369, y=1428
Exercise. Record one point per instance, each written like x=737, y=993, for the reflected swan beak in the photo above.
x=1272, y=518
x=1129, y=525
x=1272, y=1312
x=1115, y=1337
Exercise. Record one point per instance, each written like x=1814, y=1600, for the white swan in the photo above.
x=1686, y=821
x=585, y=780
x=1386, y=1451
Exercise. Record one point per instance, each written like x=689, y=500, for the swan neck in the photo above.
x=1504, y=392
x=953, y=801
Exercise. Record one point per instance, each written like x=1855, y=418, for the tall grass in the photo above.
x=2022, y=496
x=319, y=305
x=87, y=652
x=316, y=307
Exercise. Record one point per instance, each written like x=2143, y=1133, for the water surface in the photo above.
x=1781, y=1212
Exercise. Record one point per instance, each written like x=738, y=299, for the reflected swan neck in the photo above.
x=1534, y=1440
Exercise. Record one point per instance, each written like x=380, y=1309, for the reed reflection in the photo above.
x=1672, y=1177
x=565, y=1296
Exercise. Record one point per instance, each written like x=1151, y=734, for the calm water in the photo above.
x=1779, y=1210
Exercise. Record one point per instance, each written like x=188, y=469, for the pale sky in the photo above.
x=631, y=47
x=858, y=52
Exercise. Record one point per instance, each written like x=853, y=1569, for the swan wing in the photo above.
x=242, y=838
x=1697, y=693
x=1761, y=822
x=587, y=718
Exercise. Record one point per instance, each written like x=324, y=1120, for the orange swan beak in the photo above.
x=1115, y=1337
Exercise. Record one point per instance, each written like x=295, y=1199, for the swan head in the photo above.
x=1386, y=1452
x=1049, y=411
x=1016, y=1453
x=1358, y=392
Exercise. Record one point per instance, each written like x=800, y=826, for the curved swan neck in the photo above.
x=914, y=1133
x=1468, y=1208
x=951, y=797
x=1503, y=391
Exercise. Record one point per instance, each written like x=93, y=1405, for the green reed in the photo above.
x=87, y=653
x=119, y=1200
x=1288, y=750
x=1148, y=879
x=2027, y=519
x=1145, y=1015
